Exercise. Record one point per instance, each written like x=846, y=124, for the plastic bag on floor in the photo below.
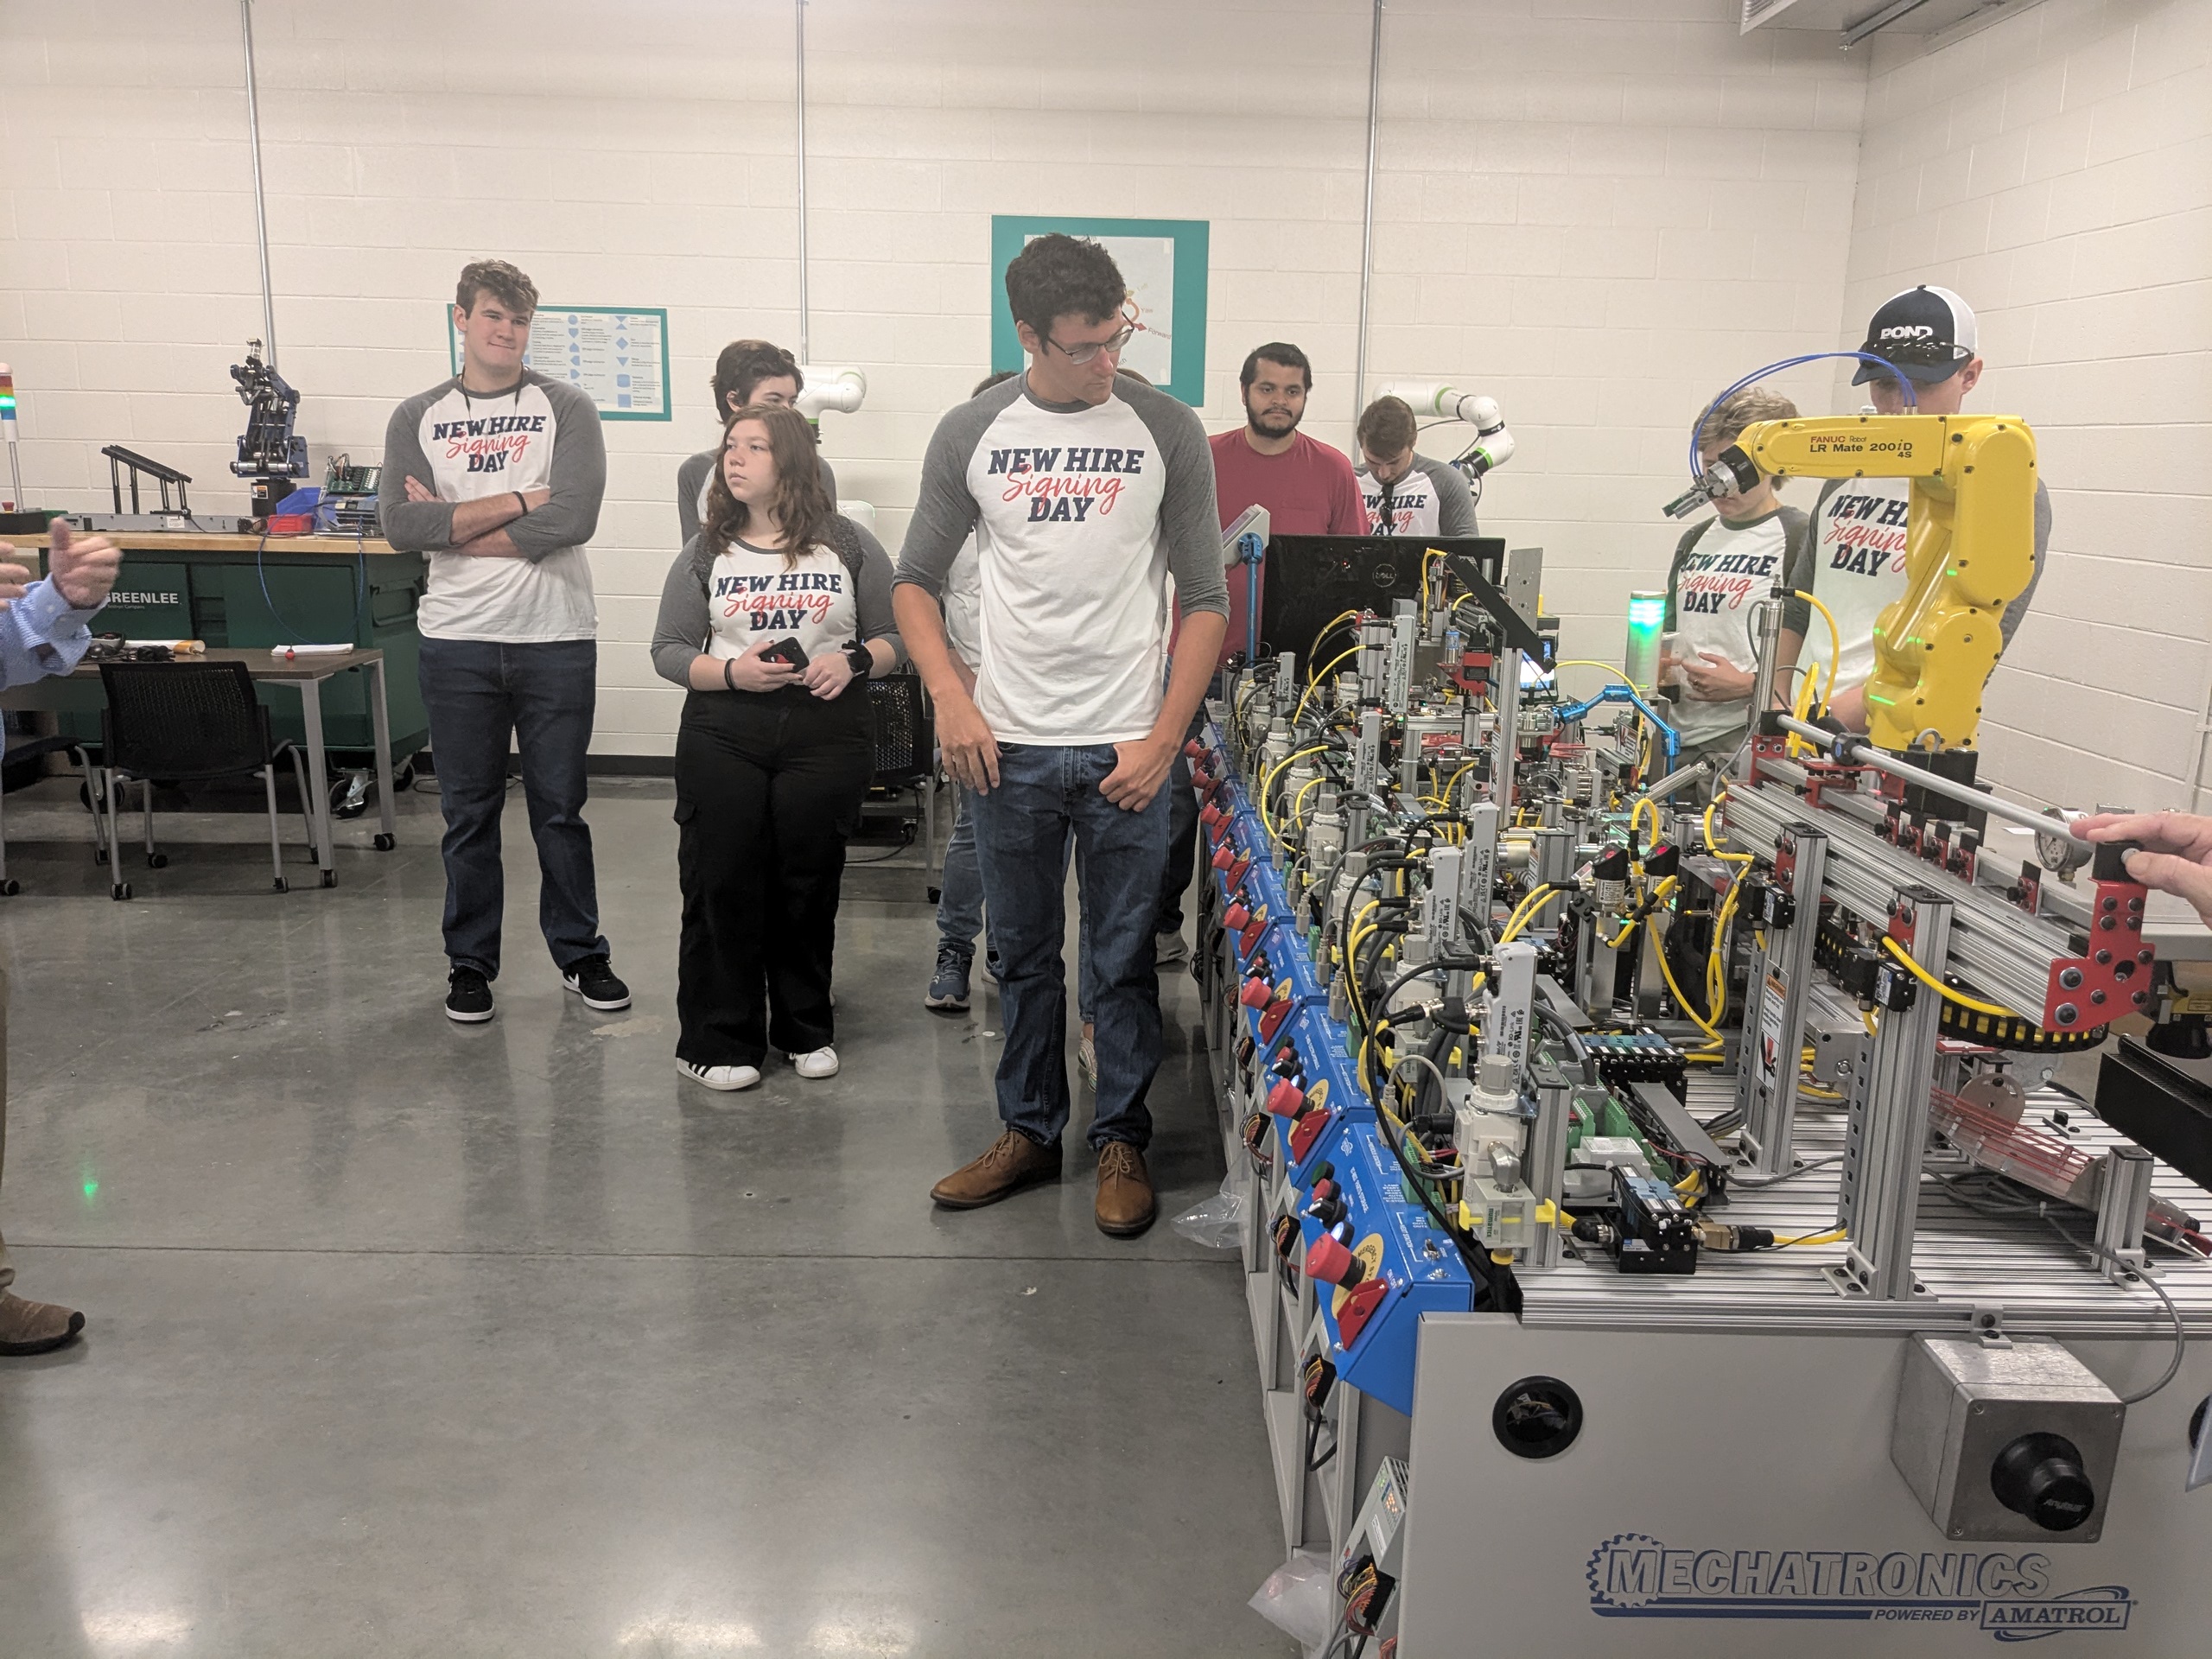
x=1299, y=1598
x=1218, y=1224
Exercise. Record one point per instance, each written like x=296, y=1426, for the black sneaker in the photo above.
x=948, y=985
x=468, y=997
x=595, y=981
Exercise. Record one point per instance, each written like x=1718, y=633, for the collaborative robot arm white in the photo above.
x=841, y=389
x=1439, y=400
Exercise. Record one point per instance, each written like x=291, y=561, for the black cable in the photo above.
x=1378, y=937
x=1351, y=900
x=1435, y=964
x=1314, y=1464
x=1439, y=1046
x=906, y=840
x=1548, y=1015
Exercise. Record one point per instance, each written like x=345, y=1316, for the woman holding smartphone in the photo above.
x=774, y=617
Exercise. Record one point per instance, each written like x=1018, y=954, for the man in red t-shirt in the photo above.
x=1308, y=489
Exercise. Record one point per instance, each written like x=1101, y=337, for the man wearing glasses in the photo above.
x=1084, y=492
x=1854, y=562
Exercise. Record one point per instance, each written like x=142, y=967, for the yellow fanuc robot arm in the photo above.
x=1969, y=550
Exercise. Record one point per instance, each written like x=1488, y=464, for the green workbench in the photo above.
x=248, y=592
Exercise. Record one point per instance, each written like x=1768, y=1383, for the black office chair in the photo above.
x=188, y=722
x=906, y=750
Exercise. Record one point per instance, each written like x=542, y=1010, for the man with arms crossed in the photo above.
x=1853, y=561
x=497, y=474
x=44, y=631
x=1085, y=491
x=1406, y=493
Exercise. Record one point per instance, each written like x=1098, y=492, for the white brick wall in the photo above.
x=1599, y=211
x=1603, y=214
x=2057, y=171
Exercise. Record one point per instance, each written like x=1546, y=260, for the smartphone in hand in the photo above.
x=785, y=651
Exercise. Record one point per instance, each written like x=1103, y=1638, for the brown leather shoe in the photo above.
x=35, y=1327
x=1125, y=1203
x=1014, y=1161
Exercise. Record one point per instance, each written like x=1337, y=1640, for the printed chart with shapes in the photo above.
x=616, y=357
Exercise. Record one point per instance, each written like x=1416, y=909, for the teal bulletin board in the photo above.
x=615, y=355
x=1163, y=261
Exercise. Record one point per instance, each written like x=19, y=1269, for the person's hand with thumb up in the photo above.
x=83, y=570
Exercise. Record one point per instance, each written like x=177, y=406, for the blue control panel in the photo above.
x=1346, y=1188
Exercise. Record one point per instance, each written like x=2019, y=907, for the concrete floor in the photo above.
x=412, y=1340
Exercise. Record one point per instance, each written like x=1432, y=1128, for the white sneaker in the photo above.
x=726, y=1079
x=822, y=1063
x=1086, y=1060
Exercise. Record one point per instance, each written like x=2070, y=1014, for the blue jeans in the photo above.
x=960, y=898
x=1182, y=833
x=478, y=692
x=1044, y=797
x=960, y=889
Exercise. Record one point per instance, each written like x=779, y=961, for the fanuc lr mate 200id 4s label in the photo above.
x=2007, y=1593
x=1861, y=447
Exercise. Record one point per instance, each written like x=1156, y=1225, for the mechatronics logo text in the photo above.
x=2004, y=1592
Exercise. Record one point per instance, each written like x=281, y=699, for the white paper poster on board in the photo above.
x=1147, y=266
x=617, y=357
x=1162, y=264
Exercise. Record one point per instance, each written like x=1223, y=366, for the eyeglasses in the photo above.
x=1088, y=354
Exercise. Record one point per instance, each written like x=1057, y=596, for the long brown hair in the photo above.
x=801, y=505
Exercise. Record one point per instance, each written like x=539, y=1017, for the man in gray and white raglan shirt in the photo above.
x=1084, y=492
x=496, y=475
x=1407, y=493
x=1854, y=562
x=747, y=372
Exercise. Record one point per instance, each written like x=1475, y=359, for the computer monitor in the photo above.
x=1308, y=581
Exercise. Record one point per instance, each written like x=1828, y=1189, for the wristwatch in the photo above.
x=862, y=658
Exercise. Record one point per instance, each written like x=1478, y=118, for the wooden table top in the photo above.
x=194, y=540
x=263, y=666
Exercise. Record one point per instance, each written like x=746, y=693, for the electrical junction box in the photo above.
x=2006, y=1440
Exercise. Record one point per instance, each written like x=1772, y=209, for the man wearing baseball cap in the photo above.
x=1854, y=560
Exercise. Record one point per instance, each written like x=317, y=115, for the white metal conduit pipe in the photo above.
x=805, y=319
x=1366, y=212
x=260, y=203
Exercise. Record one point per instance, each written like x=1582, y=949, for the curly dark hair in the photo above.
x=743, y=365
x=1057, y=274
x=501, y=281
x=801, y=505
